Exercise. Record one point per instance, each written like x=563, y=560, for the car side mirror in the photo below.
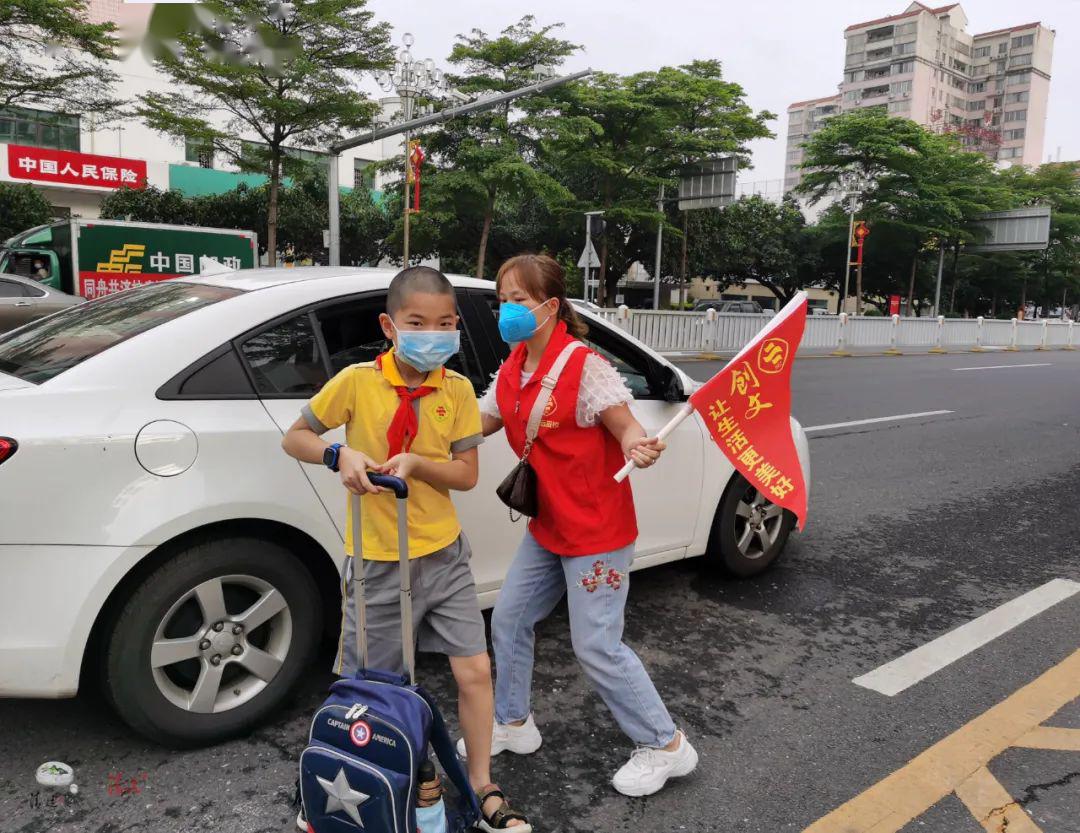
x=671, y=385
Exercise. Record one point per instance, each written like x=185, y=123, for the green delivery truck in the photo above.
x=92, y=258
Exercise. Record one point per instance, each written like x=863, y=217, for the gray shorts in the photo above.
x=446, y=611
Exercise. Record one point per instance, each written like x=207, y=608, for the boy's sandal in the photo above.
x=502, y=816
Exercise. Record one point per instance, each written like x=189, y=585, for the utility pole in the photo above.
x=659, y=248
x=847, y=252
x=940, y=270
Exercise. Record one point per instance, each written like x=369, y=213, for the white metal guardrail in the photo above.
x=712, y=332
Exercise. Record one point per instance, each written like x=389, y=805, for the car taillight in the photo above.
x=8, y=447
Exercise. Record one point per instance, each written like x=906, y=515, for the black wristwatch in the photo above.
x=330, y=456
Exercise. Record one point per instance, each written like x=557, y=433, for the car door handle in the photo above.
x=22, y=303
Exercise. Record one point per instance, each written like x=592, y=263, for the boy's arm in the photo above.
x=490, y=424
x=308, y=447
x=459, y=473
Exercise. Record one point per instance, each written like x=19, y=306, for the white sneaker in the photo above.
x=649, y=769
x=521, y=740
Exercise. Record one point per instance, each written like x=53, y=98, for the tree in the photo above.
x=305, y=97
x=488, y=158
x=52, y=57
x=614, y=140
x=22, y=207
x=148, y=205
x=922, y=189
x=754, y=239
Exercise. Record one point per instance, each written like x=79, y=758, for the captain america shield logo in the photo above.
x=360, y=733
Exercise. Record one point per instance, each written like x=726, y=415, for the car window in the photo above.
x=46, y=348
x=352, y=334
x=285, y=360
x=11, y=289
x=630, y=364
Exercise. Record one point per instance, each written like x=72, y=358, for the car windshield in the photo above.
x=44, y=349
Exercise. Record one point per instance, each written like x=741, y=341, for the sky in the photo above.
x=780, y=51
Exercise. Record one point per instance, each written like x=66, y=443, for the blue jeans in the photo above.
x=597, y=586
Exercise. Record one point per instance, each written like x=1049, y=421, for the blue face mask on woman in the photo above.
x=426, y=350
x=518, y=323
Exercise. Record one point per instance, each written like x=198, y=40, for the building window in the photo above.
x=1014, y=134
x=39, y=128
x=195, y=151
x=899, y=106
x=981, y=69
x=900, y=88
x=903, y=67
x=905, y=48
x=978, y=87
x=998, y=101
x=1003, y=48
x=981, y=52
x=1018, y=78
x=957, y=102
x=1023, y=40
x=1016, y=115
x=978, y=104
x=363, y=173
x=1021, y=60
x=1010, y=153
x=906, y=28
x=1016, y=98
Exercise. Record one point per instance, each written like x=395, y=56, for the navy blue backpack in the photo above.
x=367, y=741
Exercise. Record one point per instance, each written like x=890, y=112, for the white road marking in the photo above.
x=832, y=425
x=913, y=667
x=1003, y=366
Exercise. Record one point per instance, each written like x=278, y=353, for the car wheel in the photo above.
x=212, y=641
x=748, y=531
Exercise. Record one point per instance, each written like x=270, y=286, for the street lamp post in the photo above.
x=411, y=80
x=851, y=185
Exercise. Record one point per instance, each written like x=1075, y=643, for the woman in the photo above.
x=581, y=542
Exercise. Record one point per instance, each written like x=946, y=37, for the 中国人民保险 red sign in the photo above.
x=747, y=408
x=65, y=167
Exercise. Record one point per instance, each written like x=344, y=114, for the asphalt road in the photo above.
x=916, y=527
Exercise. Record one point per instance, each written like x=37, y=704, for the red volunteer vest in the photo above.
x=583, y=511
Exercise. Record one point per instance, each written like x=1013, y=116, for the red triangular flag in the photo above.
x=747, y=407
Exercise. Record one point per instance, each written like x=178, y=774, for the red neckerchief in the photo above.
x=404, y=425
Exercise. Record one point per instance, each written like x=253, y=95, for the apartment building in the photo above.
x=991, y=89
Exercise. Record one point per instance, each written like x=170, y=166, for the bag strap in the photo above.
x=547, y=385
x=408, y=645
x=443, y=745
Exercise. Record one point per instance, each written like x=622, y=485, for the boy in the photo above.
x=406, y=415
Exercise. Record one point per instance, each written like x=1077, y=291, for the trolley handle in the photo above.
x=396, y=484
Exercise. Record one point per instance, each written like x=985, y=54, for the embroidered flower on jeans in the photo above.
x=601, y=575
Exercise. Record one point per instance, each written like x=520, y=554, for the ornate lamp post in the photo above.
x=411, y=79
x=852, y=184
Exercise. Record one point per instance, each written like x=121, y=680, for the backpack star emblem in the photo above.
x=341, y=796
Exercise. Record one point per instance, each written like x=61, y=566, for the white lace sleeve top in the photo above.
x=601, y=388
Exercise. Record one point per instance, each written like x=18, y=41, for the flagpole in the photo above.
x=662, y=434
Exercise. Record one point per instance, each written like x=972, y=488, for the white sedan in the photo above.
x=154, y=535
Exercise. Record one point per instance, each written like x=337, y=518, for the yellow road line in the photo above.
x=916, y=787
x=1051, y=737
x=992, y=805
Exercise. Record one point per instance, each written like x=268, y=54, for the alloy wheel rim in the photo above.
x=221, y=643
x=757, y=524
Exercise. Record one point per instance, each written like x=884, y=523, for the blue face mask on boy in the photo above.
x=426, y=350
x=517, y=322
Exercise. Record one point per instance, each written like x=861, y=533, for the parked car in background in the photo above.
x=191, y=565
x=728, y=306
x=24, y=299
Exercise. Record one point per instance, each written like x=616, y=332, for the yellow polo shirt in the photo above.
x=363, y=399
